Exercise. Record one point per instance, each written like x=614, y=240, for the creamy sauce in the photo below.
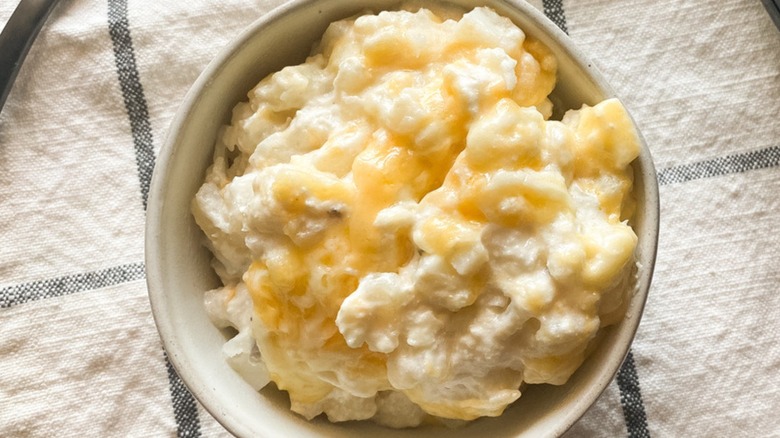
x=402, y=232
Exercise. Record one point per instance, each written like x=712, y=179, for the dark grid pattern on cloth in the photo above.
x=553, y=9
x=184, y=407
x=132, y=93
x=737, y=163
x=56, y=287
x=631, y=399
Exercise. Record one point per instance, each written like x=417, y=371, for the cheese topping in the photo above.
x=402, y=232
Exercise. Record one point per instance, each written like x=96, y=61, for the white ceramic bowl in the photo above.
x=178, y=270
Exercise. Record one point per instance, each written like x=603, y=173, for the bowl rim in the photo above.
x=170, y=147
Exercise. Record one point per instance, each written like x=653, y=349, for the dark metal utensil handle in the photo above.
x=17, y=37
x=773, y=7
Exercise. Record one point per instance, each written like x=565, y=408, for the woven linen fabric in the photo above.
x=79, y=352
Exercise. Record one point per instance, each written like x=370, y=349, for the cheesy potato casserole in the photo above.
x=404, y=234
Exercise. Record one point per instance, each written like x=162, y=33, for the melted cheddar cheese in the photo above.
x=402, y=232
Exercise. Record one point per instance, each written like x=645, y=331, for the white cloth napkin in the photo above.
x=79, y=353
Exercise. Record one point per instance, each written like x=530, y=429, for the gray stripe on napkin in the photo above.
x=132, y=92
x=553, y=9
x=55, y=287
x=184, y=407
x=631, y=399
x=738, y=163
x=628, y=379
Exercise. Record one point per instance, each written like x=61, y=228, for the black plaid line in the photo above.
x=553, y=9
x=55, y=287
x=628, y=380
x=184, y=407
x=738, y=163
x=631, y=399
x=132, y=93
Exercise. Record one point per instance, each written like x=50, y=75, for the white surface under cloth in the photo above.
x=79, y=353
